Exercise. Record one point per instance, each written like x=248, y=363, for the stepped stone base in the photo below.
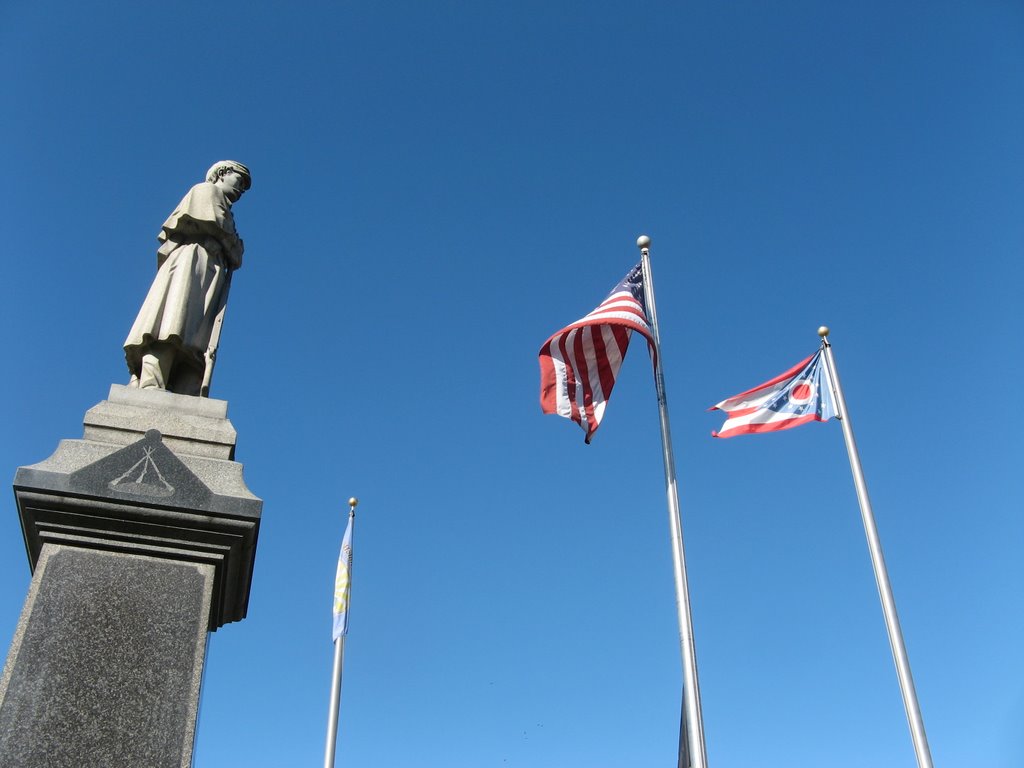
x=142, y=538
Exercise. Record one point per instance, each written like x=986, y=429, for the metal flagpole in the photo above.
x=892, y=621
x=339, y=659
x=332, y=717
x=692, y=752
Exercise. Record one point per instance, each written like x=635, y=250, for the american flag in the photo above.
x=579, y=364
x=801, y=394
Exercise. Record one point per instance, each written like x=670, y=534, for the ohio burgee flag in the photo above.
x=579, y=364
x=801, y=394
x=343, y=583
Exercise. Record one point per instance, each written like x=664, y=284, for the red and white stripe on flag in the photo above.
x=580, y=363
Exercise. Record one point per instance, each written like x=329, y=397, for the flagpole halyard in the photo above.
x=892, y=621
x=692, y=750
x=339, y=660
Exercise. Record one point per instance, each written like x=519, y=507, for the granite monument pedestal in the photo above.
x=141, y=537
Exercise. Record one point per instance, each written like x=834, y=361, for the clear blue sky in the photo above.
x=439, y=186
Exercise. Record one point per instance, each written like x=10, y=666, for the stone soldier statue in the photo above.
x=174, y=339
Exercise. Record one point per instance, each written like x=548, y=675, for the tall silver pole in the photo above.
x=691, y=744
x=892, y=621
x=339, y=660
x=332, y=716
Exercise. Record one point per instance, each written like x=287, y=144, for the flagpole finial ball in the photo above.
x=823, y=331
x=353, y=502
x=643, y=242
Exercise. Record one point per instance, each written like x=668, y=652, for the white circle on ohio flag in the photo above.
x=801, y=392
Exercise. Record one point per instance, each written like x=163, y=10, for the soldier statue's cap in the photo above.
x=241, y=170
